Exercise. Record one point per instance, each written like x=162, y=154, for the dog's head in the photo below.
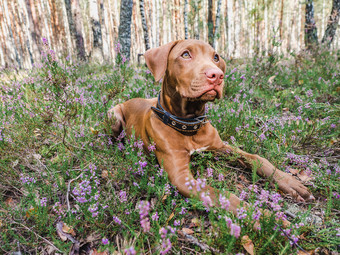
x=190, y=67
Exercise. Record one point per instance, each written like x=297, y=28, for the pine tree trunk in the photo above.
x=186, y=35
x=97, y=50
x=217, y=23
x=311, y=35
x=145, y=27
x=332, y=24
x=124, y=32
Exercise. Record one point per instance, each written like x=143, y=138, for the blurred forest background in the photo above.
x=90, y=29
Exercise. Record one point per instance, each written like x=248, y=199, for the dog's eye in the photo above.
x=186, y=55
x=216, y=58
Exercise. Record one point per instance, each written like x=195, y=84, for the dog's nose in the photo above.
x=214, y=75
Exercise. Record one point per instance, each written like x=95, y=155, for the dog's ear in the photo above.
x=157, y=59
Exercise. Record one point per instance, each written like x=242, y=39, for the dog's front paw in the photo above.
x=294, y=187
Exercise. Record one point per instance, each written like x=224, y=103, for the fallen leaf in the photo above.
x=285, y=109
x=188, y=231
x=194, y=223
x=305, y=252
x=170, y=217
x=105, y=174
x=164, y=198
x=244, y=179
x=31, y=212
x=271, y=79
x=248, y=244
x=95, y=132
x=67, y=229
x=95, y=252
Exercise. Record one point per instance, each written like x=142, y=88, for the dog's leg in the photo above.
x=264, y=168
x=115, y=120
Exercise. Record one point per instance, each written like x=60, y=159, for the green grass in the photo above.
x=59, y=163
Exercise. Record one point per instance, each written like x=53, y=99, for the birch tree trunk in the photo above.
x=124, y=32
x=332, y=24
x=145, y=27
x=210, y=23
x=311, y=35
x=97, y=51
x=217, y=24
x=186, y=36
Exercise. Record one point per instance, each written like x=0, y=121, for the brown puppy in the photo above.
x=192, y=75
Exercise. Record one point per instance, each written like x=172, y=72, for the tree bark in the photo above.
x=186, y=36
x=311, y=34
x=210, y=23
x=145, y=27
x=97, y=51
x=124, y=32
x=332, y=24
x=217, y=23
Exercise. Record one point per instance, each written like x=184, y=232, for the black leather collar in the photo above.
x=186, y=126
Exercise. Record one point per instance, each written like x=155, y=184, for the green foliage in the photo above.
x=59, y=164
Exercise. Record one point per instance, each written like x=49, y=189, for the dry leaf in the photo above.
x=194, y=223
x=188, y=231
x=164, y=198
x=271, y=79
x=170, y=217
x=305, y=252
x=105, y=174
x=248, y=244
x=244, y=179
x=31, y=212
x=285, y=109
x=95, y=132
x=95, y=252
x=67, y=229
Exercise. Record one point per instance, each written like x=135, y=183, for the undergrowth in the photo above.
x=66, y=184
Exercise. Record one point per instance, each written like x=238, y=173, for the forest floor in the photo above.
x=68, y=187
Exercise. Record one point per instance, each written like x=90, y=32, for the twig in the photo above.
x=295, y=243
x=27, y=228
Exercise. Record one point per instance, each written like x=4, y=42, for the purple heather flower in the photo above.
x=177, y=223
x=209, y=172
x=122, y=196
x=105, y=241
x=43, y=202
x=155, y=216
x=117, y=220
x=130, y=251
x=144, y=207
x=235, y=230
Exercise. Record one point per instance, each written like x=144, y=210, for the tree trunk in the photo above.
x=311, y=34
x=124, y=32
x=97, y=51
x=217, y=23
x=145, y=27
x=210, y=23
x=79, y=42
x=186, y=36
x=332, y=24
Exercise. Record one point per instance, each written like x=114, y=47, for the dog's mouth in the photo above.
x=208, y=95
